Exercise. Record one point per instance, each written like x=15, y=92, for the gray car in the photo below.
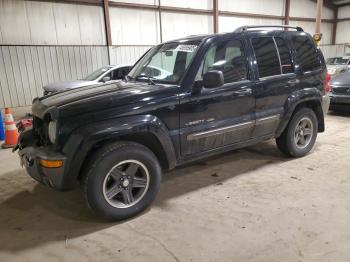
x=340, y=92
x=338, y=65
x=103, y=74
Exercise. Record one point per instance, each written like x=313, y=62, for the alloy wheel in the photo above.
x=303, y=132
x=126, y=183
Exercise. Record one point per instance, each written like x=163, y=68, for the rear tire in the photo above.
x=300, y=134
x=121, y=180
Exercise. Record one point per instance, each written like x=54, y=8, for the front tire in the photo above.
x=300, y=134
x=122, y=180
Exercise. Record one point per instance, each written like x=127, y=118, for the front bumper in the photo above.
x=339, y=101
x=53, y=177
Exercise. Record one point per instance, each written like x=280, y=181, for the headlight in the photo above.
x=332, y=71
x=52, y=131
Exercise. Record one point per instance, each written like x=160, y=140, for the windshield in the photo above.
x=165, y=63
x=337, y=61
x=96, y=74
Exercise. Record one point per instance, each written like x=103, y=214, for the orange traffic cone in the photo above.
x=11, y=132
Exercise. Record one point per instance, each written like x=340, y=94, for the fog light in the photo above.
x=51, y=163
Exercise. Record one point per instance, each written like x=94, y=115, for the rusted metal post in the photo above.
x=334, y=30
x=107, y=27
x=216, y=16
x=318, y=16
x=286, y=12
x=107, y=22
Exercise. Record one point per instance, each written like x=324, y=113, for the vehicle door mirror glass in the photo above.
x=212, y=79
x=106, y=79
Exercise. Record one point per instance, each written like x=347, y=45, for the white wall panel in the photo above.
x=126, y=54
x=307, y=8
x=145, y=2
x=50, y=23
x=175, y=25
x=343, y=35
x=332, y=50
x=269, y=7
x=25, y=69
x=13, y=18
x=202, y=4
x=344, y=12
x=134, y=27
x=230, y=23
x=67, y=27
x=326, y=29
x=91, y=25
x=42, y=33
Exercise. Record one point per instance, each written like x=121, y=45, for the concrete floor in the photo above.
x=248, y=205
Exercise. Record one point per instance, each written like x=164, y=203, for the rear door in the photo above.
x=275, y=81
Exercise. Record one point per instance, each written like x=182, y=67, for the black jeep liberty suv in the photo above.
x=183, y=100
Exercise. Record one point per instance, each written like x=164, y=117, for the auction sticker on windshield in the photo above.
x=185, y=48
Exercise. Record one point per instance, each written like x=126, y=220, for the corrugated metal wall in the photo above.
x=25, y=69
x=127, y=54
x=50, y=23
x=60, y=41
x=343, y=33
x=333, y=50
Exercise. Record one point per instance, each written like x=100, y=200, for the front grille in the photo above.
x=344, y=90
x=40, y=128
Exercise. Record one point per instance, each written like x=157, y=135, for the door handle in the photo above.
x=293, y=82
x=247, y=91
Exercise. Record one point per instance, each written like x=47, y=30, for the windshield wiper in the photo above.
x=150, y=81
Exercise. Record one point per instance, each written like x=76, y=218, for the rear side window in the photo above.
x=266, y=56
x=307, y=56
x=286, y=62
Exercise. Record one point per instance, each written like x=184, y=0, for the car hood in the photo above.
x=341, y=80
x=101, y=97
x=61, y=86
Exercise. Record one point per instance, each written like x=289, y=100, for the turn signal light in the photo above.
x=51, y=163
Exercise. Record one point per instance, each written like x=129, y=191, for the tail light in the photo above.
x=327, y=86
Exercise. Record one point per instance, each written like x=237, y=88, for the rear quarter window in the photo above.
x=306, y=54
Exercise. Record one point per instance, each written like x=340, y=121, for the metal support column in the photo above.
x=107, y=27
x=318, y=16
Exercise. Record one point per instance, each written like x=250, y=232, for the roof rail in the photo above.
x=246, y=27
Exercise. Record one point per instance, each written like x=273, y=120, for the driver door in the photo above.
x=221, y=116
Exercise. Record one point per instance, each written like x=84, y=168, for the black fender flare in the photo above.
x=84, y=138
x=307, y=97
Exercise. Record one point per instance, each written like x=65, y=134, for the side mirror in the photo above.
x=106, y=79
x=213, y=79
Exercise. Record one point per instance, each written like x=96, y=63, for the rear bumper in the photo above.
x=52, y=177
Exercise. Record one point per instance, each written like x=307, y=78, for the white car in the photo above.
x=337, y=65
x=103, y=74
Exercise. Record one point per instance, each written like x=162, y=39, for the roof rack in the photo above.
x=246, y=27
